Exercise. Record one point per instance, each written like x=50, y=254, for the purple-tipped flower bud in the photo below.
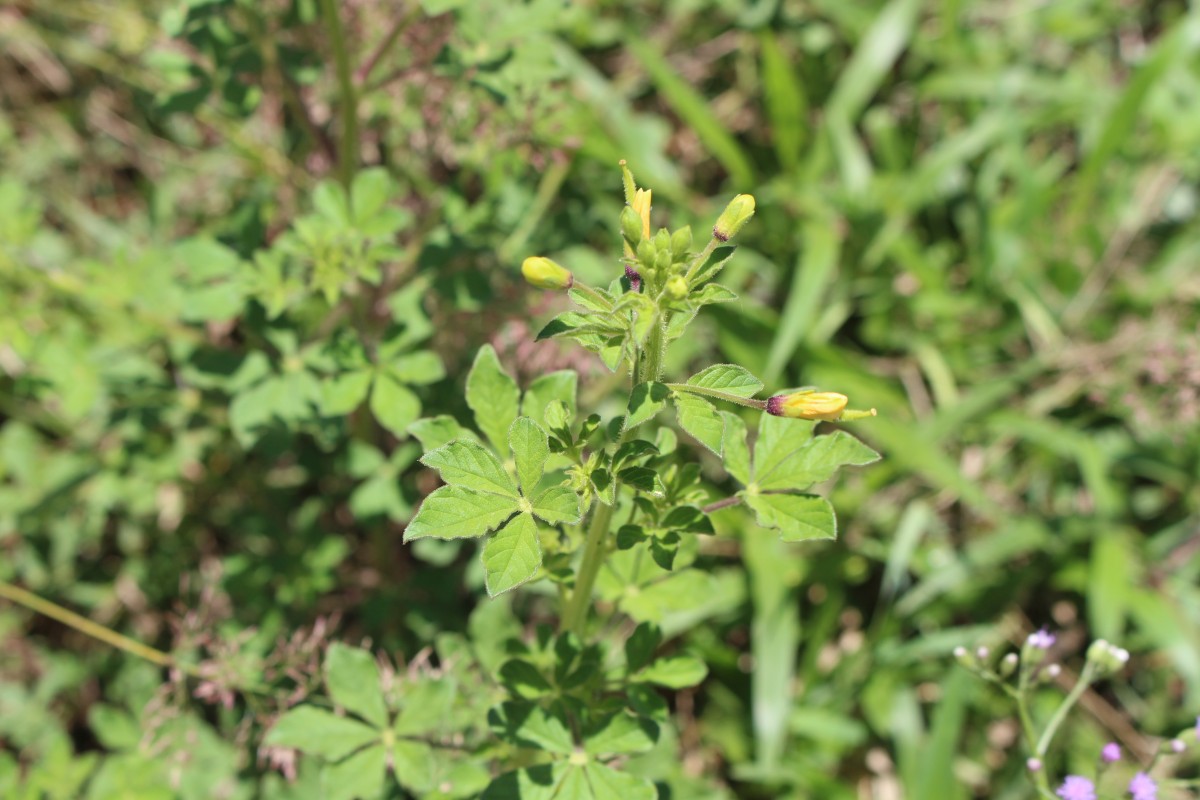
x=545, y=274
x=1033, y=764
x=1110, y=753
x=1177, y=746
x=734, y=217
x=635, y=280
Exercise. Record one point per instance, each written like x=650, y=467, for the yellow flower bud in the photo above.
x=677, y=288
x=807, y=404
x=734, y=217
x=545, y=274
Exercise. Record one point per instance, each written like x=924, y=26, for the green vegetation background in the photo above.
x=978, y=216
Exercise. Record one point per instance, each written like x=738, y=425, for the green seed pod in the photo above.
x=734, y=217
x=681, y=243
x=631, y=226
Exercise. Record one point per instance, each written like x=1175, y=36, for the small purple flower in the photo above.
x=1034, y=764
x=1110, y=753
x=1076, y=788
x=1042, y=640
x=1177, y=746
x=1143, y=787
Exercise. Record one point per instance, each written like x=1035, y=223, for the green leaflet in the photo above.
x=493, y=396
x=778, y=439
x=729, y=378
x=320, y=732
x=352, y=676
x=512, y=555
x=646, y=400
x=455, y=512
x=620, y=733
x=470, y=465
x=393, y=404
x=816, y=460
x=799, y=517
x=699, y=418
x=530, y=451
x=359, y=776
x=546, y=389
x=558, y=505
x=737, y=454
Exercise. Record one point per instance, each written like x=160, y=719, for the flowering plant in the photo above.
x=1109, y=777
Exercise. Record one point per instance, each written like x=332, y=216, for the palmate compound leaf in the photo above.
x=472, y=466
x=799, y=517
x=512, y=555
x=455, y=512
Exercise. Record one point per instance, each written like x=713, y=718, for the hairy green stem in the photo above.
x=575, y=614
x=652, y=356
x=600, y=299
x=717, y=394
x=700, y=258
x=348, y=146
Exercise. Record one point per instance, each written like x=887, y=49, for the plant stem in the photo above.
x=1085, y=680
x=401, y=24
x=575, y=614
x=719, y=504
x=652, y=356
x=580, y=286
x=348, y=147
x=700, y=258
x=86, y=626
x=1039, y=778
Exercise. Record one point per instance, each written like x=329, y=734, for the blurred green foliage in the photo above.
x=243, y=248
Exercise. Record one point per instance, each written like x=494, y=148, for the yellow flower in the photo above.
x=807, y=404
x=545, y=274
x=641, y=207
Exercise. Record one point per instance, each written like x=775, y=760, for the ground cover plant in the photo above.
x=261, y=264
